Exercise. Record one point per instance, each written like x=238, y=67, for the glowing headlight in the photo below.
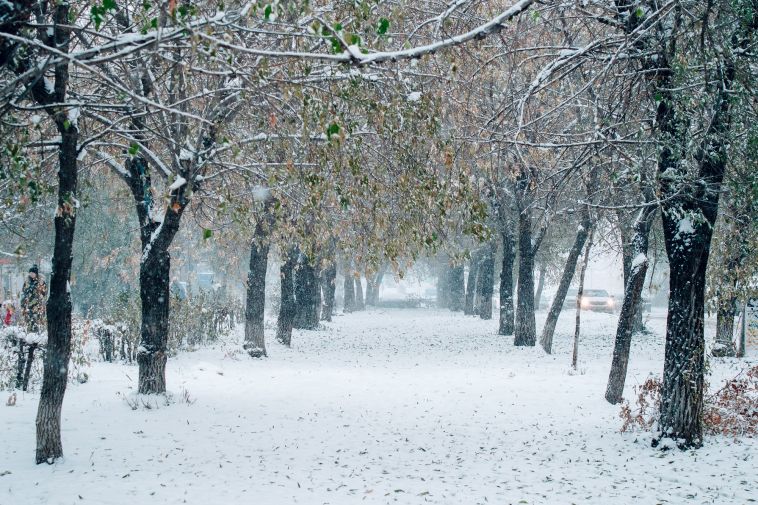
x=584, y=303
x=610, y=302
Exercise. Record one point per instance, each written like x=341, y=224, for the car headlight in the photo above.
x=584, y=303
x=610, y=302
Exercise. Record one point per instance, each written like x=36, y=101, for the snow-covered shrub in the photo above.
x=731, y=411
x=11, y=340
x=13, y=366
x=200, y=319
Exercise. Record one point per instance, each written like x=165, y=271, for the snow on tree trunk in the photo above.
x=630, y=306
x=255, y=342
x=689, y=213
x=58, y=353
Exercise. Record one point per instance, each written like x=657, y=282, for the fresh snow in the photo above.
x=638, y=260
x=685, y=226
x=178, y=183
x=383, y=406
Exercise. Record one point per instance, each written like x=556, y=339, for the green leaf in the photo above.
x=133, y=149
x=207, y=233
x=383, y=26
x=109, y=5
x=267, y=11
x=333, y=129
x=337, y=27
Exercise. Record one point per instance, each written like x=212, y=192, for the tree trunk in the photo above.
x=485, y=287
x=443, y=285
x=349, y=288
x=287, y=302
x=579, y=294
x=329, y=286
x=506, y=326
x=627, y=255
x=20, y=363
x=28, y=368
x=725, y=312
x=468, y=307
x=378, y=283
x=55, y=374
x=540, y=286
x=307, y=295
x=526, y=325
x=548, y=331
x=155, y=275
x=359, y=303
x=630, y=306
x=456, y=290
x=255, y=342
x=689, y=214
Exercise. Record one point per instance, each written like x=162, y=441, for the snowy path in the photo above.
x=400, y=406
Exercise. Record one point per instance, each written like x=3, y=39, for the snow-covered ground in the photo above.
x=385, y=406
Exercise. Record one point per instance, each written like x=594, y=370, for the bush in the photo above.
x=14, y=338
x=731, y=411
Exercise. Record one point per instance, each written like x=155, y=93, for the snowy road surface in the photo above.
x=386, y=406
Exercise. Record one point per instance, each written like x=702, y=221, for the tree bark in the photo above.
x=20, y=363
x=255, y=341
x=725, y=312
x=329, y=286
x=526, y=324
x=456, y=290
x=468, y=307
x=307, y=295
x=377, y=284
x=631, y=305
x=359, y=303
x=506, y=326
x=287, y=302
x=579, y=294
x=155, y=275
x=688, y=220
x=349, y=289
x=28, y=368
x=55, y=374
x=548, y=331
x=540, y=286
x=443, y=284
x=627, y=233
x=485, y=286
